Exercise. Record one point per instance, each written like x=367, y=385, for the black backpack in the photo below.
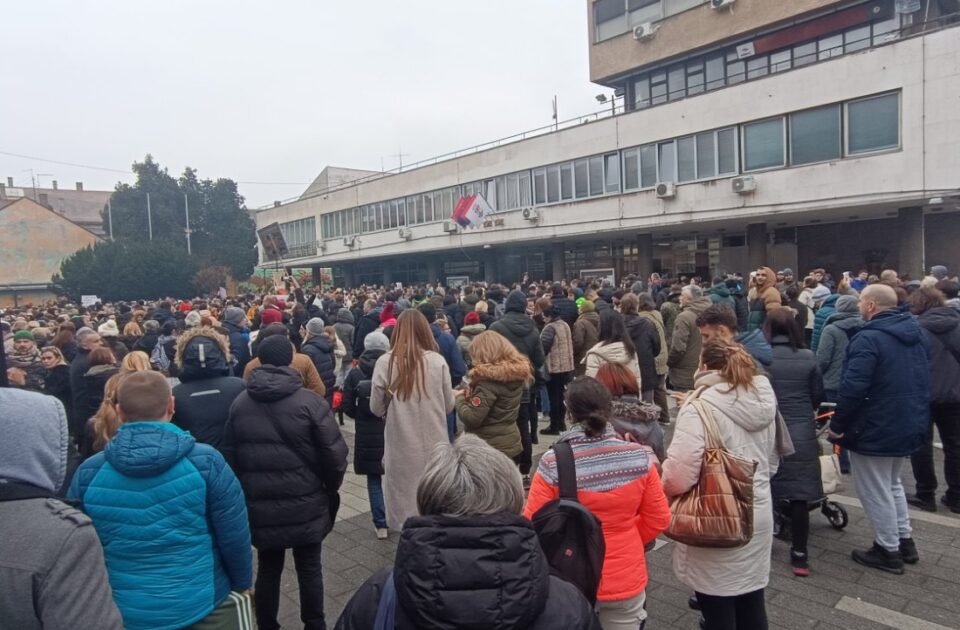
x=569, y=533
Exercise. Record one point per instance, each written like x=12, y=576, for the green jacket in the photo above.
x=490, y=408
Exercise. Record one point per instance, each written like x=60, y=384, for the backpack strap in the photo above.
x=566, y=470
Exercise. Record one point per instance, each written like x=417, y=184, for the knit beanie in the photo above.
x=637, y=287
x=275, y=350
x=192, y=319
x=516, y=302
x=315, y=326
x=270, y=316
x=586, y=306
x=23, y=335
x=386, y=313
x=233, y=315
x=109, y=329
x=376, y=341
x=472, y=318
x=938, y=271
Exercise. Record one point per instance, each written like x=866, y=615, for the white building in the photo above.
x=802, y=134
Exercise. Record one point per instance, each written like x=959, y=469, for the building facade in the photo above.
x=805, y=134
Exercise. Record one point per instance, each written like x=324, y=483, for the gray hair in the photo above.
x=469, y=477
x=85, y=334
x=693, y=291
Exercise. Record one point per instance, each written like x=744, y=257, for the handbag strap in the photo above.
x=566, y=470
x=711, y=432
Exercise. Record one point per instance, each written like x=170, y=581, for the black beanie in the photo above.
x=275, y=350
x=516, y=302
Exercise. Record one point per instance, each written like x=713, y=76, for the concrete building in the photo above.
x=801, y=134
x=34, y=240
x=77, y=204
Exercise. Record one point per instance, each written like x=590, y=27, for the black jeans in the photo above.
x=306, y=559
x=525, y=458
x=558, y=410
x=799, y=525
x=737, y=612
x=946, y=417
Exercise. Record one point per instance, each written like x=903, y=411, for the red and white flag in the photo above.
x=471, y=210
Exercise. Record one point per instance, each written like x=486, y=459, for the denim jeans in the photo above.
x=544, y=400
x=452, y=426
x=375, y=492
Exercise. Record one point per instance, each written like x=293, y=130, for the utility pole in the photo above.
x=186, y=209
x=149, y=218
x=556, y=114
x=400, y=155
x=110, y=218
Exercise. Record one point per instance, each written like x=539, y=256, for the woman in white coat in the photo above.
x=615, y=346
x=411, y=391
x=729, y=583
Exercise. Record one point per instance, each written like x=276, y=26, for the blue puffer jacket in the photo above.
x=826, y=309
x=173, y=523
x=450, y=351
x=239, y=347
x=883, y=404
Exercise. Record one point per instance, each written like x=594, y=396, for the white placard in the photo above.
x=89, y=300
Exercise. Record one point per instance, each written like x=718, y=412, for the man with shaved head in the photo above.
x=883, y=414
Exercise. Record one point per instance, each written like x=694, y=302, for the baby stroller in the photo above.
x=835, y=513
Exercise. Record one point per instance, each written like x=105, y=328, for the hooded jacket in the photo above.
x=883, y=404
x=942, y=326
x=567, y=309
x=78, y=391
x=522, y=332
x=745, y=420
x=471, y=573
x=345, y=329
x=685, y=345
x=365, y=325
x=450, y=353
x=491, y=406
x=171, y=518
x=820, y=319
x=632, y=415
x=51, y=561
x=284, y=444
x=720, y=294
x=763, y=299
x=758, y=347
x=239, y=346
x=467, y=333
x=206, y=389
x=368, y=439
x=586, y=334
x=614, y=352
x=320, y=349
x=646, y=339
x=834, y=338
x=656, y=319
x=95, y=381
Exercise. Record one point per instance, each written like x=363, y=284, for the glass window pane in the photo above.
x=763, y=144
x=727, y=162
x=873, y=124
x=540, y=186
x=676, y=82
x=501, y=204
x=438, y=207
x=524, y=181
x=686, y=159
x=553, y=183
x=668, y=162
x=714, y=67
x=757, y=67
x=596, y=176
x=582, y=187
x=856, y=39
x=641, y=93
x=648, y=165
x=706, y=162
x=511, y=186
x=694, y=77
x=830, y=46
x=815, y=135
x=658, y=88
x=606, y=10
x=804, y=54
x=566, y=181
x=611, y=172
x=780, y=61
x=887, y=30
x=631, y=169
x=402, y=205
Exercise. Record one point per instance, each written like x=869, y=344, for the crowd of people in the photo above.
x=150, y=445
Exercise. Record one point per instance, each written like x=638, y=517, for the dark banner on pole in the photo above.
x=274, y=245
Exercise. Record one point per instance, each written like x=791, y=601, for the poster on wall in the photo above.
x=455, y=282
x=599, y=275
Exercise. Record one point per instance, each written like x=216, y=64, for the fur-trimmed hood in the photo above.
x=504, y=372
x=215, y=358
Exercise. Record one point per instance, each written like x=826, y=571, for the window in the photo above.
x=524, y=180
x=736, y=69
x=714, y=69
x=631, y=169
x=757, y=67
x=804, y=54
x=438, y=214
x=675, y=81
x=611, y=172
x=596, y=176
x=648, y=165
x=830, y=46
x=513, y=199
x=668, y=162
x=658, y=88
x=780, y=61
x=873, y=124
x=856, y=39
x=566, y=181
x=540, y=186
x=501, y=204
x=582, y=185
x=763, y=144
x=887, y=30
x=706, y=160
x=428, y=208
x=686, y=159
x=694, y=77
x=553, y=184
x=641, y=93
x=815, y=135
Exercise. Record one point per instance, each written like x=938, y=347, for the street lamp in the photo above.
x=602, y=98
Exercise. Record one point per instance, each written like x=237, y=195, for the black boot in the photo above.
x=925, y=503
x=908, y=551
x=877, y=557
x=692, y=603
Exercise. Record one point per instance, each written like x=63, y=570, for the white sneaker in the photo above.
x=382, y=533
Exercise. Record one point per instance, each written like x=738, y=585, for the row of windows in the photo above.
x=299, y=232
x=725, y=67
x=615, y=17
x=815, y=135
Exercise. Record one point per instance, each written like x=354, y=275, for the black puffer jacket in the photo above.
x=56, y=382
x=206, y=389
x=942, y=327
x=646, y=339
x=365, y=325
x=283, y=443
x=798, y=385
x=568, y=310
x=368, y=441
x=78, y=392
x=95, y=381
x=522, y=332
x=472, y=573
x=320, y=350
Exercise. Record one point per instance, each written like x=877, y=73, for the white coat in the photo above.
x=746, y=421
x=611, y=353
x=412, y=428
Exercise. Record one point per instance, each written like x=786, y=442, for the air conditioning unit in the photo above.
x=349, y=241
x=451, y=227
x=743, y=185
x=720, y=4
x=666, y=190
x=405, y=234
x=645, y=31
x=531, y=215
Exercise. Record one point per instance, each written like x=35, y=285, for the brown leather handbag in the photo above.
x=718, y=511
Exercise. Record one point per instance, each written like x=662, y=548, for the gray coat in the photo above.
x=798, y=385
x=834, y=339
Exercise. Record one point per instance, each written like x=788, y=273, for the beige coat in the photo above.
x=745, y=418
x=413, y=427
x=611, y=353
x=657, y=319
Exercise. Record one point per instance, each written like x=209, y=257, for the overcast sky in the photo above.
x=275, y=91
